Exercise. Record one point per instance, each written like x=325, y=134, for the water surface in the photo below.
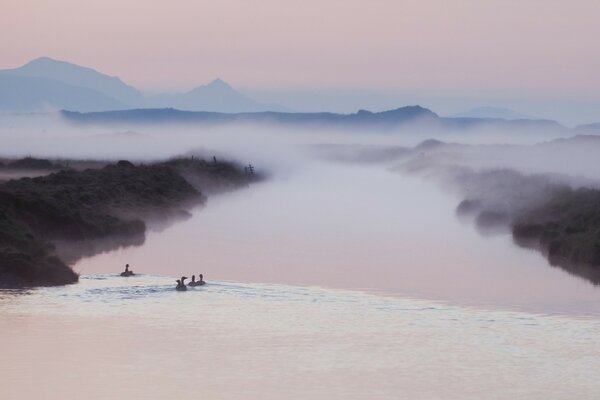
x=355, y=227
x=113, y=337
x=325, y=282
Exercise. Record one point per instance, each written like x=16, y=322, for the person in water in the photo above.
x=127, y=272
x=193, y=282
x=201, y=280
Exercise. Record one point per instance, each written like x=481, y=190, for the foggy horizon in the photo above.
x=537, y=58
x=570, y=110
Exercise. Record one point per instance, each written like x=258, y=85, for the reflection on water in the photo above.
x=113, y=337
x=354, y=227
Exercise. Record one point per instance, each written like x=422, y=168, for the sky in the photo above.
x=468, y=49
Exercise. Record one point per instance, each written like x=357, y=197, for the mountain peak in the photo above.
x=52, y=78
x=76, y=75
x=215, y=87
x=219, y=83
x=410, y=111
x=43, y=60
x=37, y=64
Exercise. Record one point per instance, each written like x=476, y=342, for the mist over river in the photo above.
x=327, y=280
x=354, y=227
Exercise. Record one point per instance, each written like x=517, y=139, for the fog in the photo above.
x=372, y=210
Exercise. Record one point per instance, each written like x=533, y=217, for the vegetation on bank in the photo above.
x=32, y=163
x=567, y=230
x=93, y=204
x=564, y=224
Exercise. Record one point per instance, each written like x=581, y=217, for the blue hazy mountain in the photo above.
x=217, y=96
x=47, y=83
x=490, y=112
x=25, y=94
x=79, y=76
x=589, y=128
x=415, y=118
x=170, y=115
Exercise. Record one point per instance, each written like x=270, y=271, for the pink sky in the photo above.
x=534, y=47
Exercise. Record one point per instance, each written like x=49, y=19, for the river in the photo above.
x=328, y=281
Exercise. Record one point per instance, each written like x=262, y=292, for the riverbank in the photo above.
x=561, y=222
x=45, y=220
x=566, y=228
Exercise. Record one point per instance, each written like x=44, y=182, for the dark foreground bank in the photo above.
x=111, y=205
x=561, y=222
x=567, y=229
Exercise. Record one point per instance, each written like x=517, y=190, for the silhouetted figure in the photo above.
x=181, y=284
x=201, y=280
x=127, y=272
x=193, y=282
x=214, y=159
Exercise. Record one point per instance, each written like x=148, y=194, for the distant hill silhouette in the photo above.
x=417, y=116
x=168, y=115
x=24, y=94
x=217, y=96
x=75, y=75
x=589, y=128
x=499, y=123
x=47, y=83
x=490, y=112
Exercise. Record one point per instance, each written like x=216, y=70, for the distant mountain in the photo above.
x=25, y=94
x=380, y=120
x=83, y=77
x=589, y=128
x=47, y=83
x=416, y=118
x=386, y=119
x=217, y=96
x=490, y=112
x=547, y=125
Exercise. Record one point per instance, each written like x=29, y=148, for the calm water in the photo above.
x=327, y=282
x=112, y=337
x=355, y=227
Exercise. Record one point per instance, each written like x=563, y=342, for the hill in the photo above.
x=169, y=115
x=78, y=76
x=48, y=83
x=490, y=112
x=413, y=116
x=26, y=94
x=217, y=96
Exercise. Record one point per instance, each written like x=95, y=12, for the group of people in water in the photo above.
x=180, y=282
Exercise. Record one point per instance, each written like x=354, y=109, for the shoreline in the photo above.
x=50, y=221
x=158, y=285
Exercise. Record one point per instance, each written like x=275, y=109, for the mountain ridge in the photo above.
x=417, y=117
x=76, y=75
x=22, y=94
x=215, y=96
x=490, y=112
